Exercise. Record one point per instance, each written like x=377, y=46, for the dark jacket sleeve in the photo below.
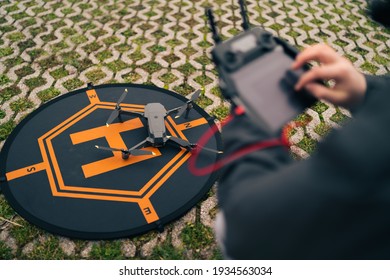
x=334, y=205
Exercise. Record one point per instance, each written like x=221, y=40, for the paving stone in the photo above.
x=67, y=246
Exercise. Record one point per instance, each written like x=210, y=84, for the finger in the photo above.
x=321, y=53
x=325, y=72
x=322, y=92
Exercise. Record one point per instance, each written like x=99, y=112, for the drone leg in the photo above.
x=189, y=107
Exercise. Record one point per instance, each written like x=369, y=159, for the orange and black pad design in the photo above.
x=58, y=180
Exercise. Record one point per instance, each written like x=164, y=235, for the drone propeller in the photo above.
x=134, y=152
x=185, y=144
x=109, y=149
x=181, y=142
x=116, y=112
x=121, y=98
x=207, y=149
x=138, y=152
x=112, y=117
x=188, y=104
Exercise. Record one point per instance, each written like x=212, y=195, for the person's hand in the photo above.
x=349, y=84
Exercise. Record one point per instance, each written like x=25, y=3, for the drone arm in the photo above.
x=173, y=110
x=129, y=113
x=190, y=146
x=139, y=145
x=181, y=142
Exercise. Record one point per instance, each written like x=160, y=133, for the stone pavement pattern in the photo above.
x=50, y=47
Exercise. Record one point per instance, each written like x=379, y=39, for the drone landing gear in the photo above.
x=188, y=109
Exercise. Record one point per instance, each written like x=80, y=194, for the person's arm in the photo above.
x=276, y=208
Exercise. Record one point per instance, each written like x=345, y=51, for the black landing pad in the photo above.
x=55, y=178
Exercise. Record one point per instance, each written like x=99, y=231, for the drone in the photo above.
x=155, y=114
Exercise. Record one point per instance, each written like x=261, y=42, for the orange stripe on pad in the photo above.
x=25, y=171
x=92, y=96
x=148, y=210
x=191, y=124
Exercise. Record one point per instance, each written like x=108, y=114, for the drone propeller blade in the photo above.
x=141, y=153
x=196, y=95
x=123, y=96
x=180, y=142
x=185, y=107
x=109, y=149
x=135, y=152
x=181, y=111
x=112, y=117
x=209, y=150
x=116, y=112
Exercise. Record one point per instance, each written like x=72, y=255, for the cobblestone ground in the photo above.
x=50, y=47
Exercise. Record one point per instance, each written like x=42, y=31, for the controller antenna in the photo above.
x=213, y=26
x=244, y=15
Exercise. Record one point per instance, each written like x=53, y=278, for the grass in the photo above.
x=26, y=233
x=73, y=84
x=4, y=80
x=168, y=78
x=117, y=65
x=59, y=73
x=184, y=89
x=187, y=69
x=199, y=238
x=307, y=144
x=6, y=129
x=151, y=67
x=5, y=209
x=47, y=94
x=132, y=77
x=339, y=117
x=5, y=252
x=107, y=250
x=95, y=75
x=21, y=104
x=322, y=129
x=8, y=92
x=48, y=249
x=166, y=251
x=220, y=112
x=35, y=82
